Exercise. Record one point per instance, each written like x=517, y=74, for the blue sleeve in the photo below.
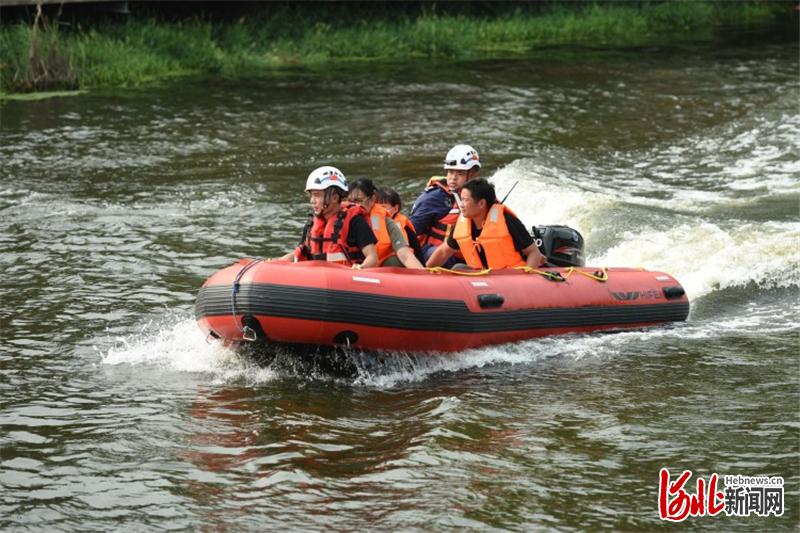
x=429, y=207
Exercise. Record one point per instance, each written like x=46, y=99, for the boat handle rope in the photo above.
x=439, y=270
x=247, y=332
x=552, y=276
x=599, y=275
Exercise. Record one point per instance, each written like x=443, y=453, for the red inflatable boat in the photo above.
x=325, y=304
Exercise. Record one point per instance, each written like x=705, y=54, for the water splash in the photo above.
x=706, y=253
x=706, y=257
x=389, y=370
x=740, y=163
x=173, y=342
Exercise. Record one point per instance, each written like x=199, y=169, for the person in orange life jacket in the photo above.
x=487, y=233
x=335, y=232
x=393, y=250
x=436, y=210
x=390, y=200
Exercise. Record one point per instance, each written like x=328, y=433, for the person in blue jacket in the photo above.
x=437, y=209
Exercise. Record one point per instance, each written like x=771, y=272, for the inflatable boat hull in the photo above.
x=323, y=304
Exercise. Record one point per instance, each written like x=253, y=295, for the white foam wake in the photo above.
x=748, y=161
x=175, y=343
x=179, y=346
x=704, y=255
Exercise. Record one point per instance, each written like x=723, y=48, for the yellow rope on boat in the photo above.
x=549, y=275
x=439, y=270
x=603, y=276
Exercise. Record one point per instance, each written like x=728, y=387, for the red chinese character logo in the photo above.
x=675, y=504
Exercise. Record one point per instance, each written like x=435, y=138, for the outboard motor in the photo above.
x=561, y=245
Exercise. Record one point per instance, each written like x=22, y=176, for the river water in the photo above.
x=115, y=206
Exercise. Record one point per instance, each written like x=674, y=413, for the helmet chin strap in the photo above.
x=457, y=198
x=326, y=200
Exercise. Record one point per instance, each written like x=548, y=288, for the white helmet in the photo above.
x=462, y=157
x=324, y=177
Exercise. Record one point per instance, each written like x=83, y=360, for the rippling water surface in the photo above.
x=116, y=205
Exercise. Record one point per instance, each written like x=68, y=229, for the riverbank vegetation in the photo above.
x=52, y=53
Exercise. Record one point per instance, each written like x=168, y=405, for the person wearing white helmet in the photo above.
x=335, y=232
x=437, y=208
x=488, y=234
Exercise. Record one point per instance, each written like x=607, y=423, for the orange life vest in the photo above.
x=403, y=222
x=326, y=240
x=495, y=240
x=439, y=229
x=377, y=221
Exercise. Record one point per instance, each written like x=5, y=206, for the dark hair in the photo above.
x=364, y=185
x=481, y=190
x=387, y=195
x=336, y=190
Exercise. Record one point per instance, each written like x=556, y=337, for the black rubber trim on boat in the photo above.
x=490, y=301
x=670, y=293
x=420, y=314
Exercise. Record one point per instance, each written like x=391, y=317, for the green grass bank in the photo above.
x=51, y=53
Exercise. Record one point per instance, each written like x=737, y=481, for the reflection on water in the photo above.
x=116, y=205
